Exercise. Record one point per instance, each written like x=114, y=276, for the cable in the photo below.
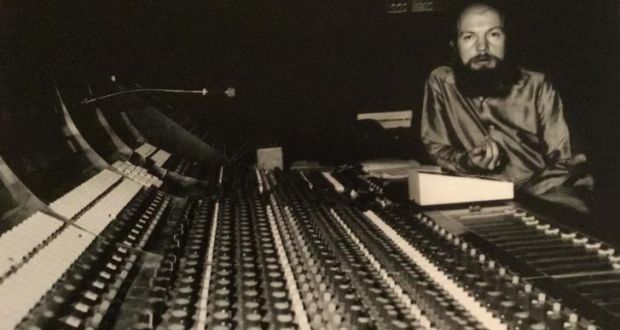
x=230, y=92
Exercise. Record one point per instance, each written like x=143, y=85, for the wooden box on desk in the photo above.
x=436, y=188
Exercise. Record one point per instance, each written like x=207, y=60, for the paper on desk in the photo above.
x=383, y=164
x=395, y=169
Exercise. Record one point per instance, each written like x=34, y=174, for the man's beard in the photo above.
x=486, y=82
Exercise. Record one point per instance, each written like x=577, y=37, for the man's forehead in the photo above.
x=479, y=16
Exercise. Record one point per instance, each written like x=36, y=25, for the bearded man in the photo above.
x=484, y=115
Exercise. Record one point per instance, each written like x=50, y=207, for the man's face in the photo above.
x=481, y=39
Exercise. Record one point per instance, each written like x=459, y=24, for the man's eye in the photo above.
x=467, y=37
x=496, y=34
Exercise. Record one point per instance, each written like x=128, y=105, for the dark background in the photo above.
x=303, y=69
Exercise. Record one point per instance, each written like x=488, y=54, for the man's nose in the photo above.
x=482, y=46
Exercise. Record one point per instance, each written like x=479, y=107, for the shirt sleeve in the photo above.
x=556, y=150
x=553, y=127
x=434, y=132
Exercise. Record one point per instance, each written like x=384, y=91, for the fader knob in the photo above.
x=494, y=299
x=555, y=320
x=524, y=298
x=572, y=323
x=507, y=310
x=538, y=306
x=522, y=321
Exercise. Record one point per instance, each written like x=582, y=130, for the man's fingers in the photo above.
x=494, y=155
x=475, y=154
x=576, y=160
x=485, y=156
x=477, y=151
x=488, y=154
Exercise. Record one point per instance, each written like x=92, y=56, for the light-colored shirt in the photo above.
x=528, y=125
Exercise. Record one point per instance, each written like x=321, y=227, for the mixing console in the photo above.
x=187, y=167
x=17, y=243
x=145, y=150
x=137, y=173
x=163, y=159
x=300, y=250
x=160, y=157
x=81, y=196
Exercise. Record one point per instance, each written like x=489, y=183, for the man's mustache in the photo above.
x=483, y=57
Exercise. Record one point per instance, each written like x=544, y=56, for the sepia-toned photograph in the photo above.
x=310, y=165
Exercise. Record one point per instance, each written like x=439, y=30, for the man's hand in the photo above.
x=577, y=160
x=579, y=172
x=485, y=157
